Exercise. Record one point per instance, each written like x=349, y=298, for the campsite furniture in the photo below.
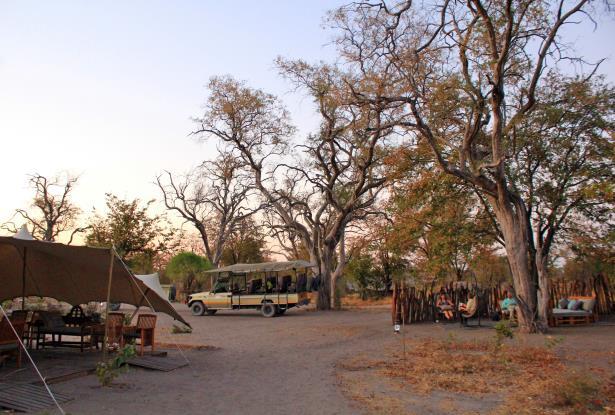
x=143, y=332
x=511, y=314
x=9, y=343
x=48, y=269
x=53, y=324
x=569, y=316
x=464, y=317
x=75, y=317
x=22, y=316
x=115, y=320
x=438, y=312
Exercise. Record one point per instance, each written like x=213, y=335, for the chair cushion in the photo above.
x=588, y=305
x=578, y=305
x=563, y=303
x=8, y=347
x=571, y=304
x=557, y=312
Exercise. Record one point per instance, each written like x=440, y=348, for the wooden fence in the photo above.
x=415, y=305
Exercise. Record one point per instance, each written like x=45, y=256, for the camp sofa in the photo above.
x=564, y=315
x=55, y=325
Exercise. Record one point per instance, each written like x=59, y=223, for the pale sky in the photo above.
x=106, y=89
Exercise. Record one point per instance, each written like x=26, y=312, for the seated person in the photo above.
x=509, y=305
x=445, y=306
x=468, y=309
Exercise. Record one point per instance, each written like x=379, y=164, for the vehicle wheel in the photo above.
x=197, y=308
x=211, y=312
x=268, y=310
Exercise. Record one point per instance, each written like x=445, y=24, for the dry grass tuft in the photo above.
x=355, y=301
x=529, y=380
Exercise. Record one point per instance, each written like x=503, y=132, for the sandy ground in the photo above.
x=285, y=365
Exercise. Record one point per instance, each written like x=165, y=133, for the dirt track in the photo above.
x=284, y=365
x=258, y=366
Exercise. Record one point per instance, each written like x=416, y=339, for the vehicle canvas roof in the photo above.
x=264, y=267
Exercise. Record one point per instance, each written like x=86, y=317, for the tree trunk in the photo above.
x=325, y=295
x=543, y=288
x=511, y=215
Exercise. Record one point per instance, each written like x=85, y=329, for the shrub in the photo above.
x=109, y=370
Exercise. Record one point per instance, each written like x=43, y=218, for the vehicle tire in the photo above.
x=197, y=308
x=269, y=310
x=211, y=312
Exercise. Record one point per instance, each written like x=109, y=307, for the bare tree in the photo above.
x=51, y=212
x=334, y=176
x=214, y=198
x=461, y=76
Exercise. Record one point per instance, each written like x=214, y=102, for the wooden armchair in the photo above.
x=9, y=344
x=143, y=331
x=116, y=328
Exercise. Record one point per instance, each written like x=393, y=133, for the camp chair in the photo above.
x=75, y=317
x=143, y=331
x=9, y=344
x=464, y=317
x=115, y=320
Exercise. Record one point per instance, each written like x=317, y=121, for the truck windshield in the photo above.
x=221, y=286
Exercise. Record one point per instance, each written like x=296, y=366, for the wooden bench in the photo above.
x=561, y=317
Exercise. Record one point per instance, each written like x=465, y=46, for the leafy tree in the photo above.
x=138, y=236
x=331, y=179
x=361, y=270
x=245, y=244
x=462, y=78
x=188, y=268
x=438, y=222
x=564, y=168
x=52, y=211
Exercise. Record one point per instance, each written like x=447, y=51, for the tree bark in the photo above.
x=543, y=288
x=511, y=215
x=325, y=297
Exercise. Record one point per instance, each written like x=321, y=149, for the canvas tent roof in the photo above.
x=265, y=267
x=74, y=274
x=153, y=282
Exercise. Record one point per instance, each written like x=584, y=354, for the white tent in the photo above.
x=153, y=283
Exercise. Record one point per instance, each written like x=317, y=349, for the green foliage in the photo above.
x=138, y=236
x=552, y=341
x=107, y=371
x=502, y=332
x=188, y=268
x=361, y=270
x=245, y=244
x=437, y=222
x=577, y=391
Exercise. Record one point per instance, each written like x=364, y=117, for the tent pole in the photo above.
x=106, y=339
x=23, y=280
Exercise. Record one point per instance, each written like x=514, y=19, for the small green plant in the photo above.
x=552, y=341
x=451, y=339
x=109, y=370
x=578, y=392
x=181, y=329
x=502, y=332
